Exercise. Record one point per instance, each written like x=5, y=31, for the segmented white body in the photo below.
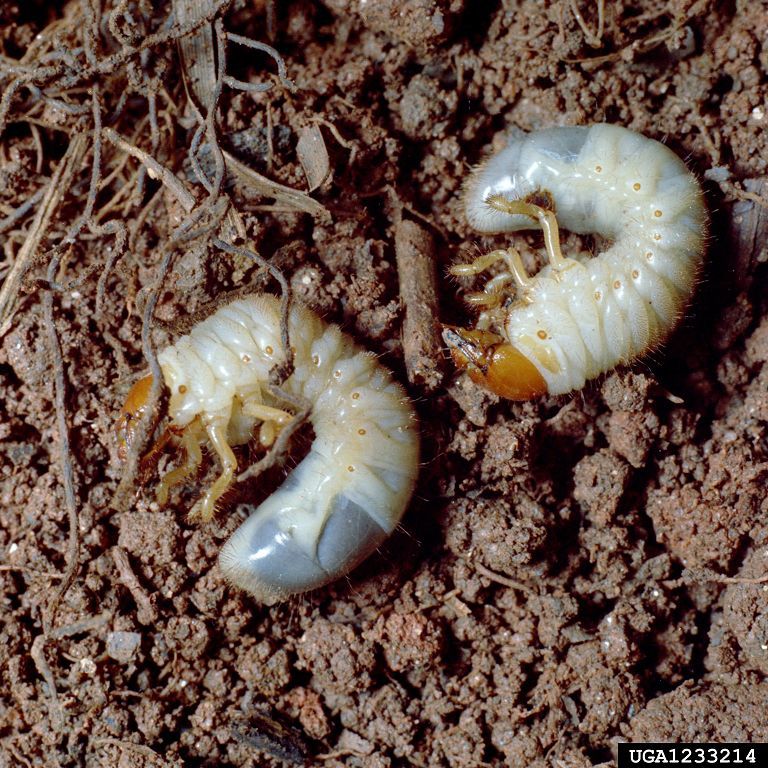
x=577, y=323
x=350, y=491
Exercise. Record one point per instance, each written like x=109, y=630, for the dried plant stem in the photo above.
x=58, y=185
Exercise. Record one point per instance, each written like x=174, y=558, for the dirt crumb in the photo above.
x=505, y=539
x=420, y=24
x=339, y=659
x=599, y=483
x=687, y=714
x=705, y=521
x=746, y=609
x=408, y=640
x=149, y=536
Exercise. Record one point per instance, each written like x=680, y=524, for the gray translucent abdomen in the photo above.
x=308, y=533
x=271, y=563
x=529, y=164
x=349, y=492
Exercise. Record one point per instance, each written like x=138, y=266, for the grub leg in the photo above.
x=205, y=507
x=191, y=439
x=546, y=220
x=273, y=420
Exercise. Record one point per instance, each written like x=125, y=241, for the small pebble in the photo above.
x=121, y=646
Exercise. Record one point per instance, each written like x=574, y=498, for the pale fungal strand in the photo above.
x=579, y=318
x=348, y=493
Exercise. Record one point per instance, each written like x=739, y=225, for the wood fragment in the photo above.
x=415, y=253
x=273, y=737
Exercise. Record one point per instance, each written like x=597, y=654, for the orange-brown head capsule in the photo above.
x=494, y=363
x=131, y=414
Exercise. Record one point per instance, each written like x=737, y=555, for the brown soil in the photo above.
x=572, y=571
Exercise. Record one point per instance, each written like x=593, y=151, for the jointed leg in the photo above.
x=546, y=219
x=496, y=284
x=191, y=438
x=206, y=506
x=492, y=295
x=273, y=420
x=515, y=271
x=150, y=459
x=510, y=256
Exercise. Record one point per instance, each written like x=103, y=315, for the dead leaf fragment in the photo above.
x=313, y=156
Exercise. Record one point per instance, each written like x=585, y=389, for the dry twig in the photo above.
x=415, y=254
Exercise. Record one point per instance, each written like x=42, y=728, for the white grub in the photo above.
x=347, y=495
x=577, y=319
